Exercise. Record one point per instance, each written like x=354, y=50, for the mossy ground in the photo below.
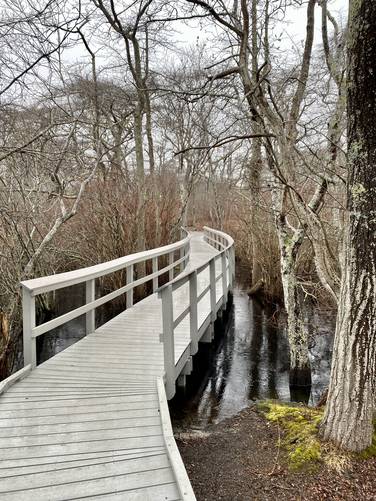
x=300, y=432
x=240, y=458
x=371, y=451
x=300, y=437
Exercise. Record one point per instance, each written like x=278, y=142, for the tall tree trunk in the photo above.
x=290, y=240
x=351, y=398
x=139, y=146
x=256, y=157
x=138, y=138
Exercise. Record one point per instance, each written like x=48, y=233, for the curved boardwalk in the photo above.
x=92, y=422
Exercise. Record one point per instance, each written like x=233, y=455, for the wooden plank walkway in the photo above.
x=92, y=422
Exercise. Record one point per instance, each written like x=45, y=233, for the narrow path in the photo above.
x=92, y=422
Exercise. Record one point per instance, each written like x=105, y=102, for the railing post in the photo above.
x=233, y=264
x=213, y=291
x=224, y=278
x=182, y=254
x=193, y=312
x=90, y=297
x=168, y=340
x=155, y=269
x=28, y=319
x=171, y=271
x=129, y=295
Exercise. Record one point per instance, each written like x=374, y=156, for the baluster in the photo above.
x=28, y=318
x=213, y=292
x=193, y=312
x=232, y=265
x=170, y=262
x=224, y=278
x=90, y=297
x=182, y=254
x=168, y=340
x=130, y=278
x=155, y=269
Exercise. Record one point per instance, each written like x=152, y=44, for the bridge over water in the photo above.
x=92, y=422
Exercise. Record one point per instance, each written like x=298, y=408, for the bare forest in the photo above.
x=123, y=121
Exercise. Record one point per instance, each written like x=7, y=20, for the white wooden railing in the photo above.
x=225, y=245
x=32, y=288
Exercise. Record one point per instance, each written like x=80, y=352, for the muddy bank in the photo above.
x=238, y=459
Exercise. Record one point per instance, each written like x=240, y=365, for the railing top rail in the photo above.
x=53, y=282
x=230, y=240
x=183, y=277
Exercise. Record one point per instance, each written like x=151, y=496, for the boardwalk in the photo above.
x=92, y=422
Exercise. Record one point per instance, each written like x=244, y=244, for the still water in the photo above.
x=249, y=362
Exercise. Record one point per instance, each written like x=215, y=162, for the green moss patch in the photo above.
x=371, y=450
x=300, y=437
x=300, y=432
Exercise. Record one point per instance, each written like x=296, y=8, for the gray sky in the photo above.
x=297, y=19
x=293, y=30
x=294, y=27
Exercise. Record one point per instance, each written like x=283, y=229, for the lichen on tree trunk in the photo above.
x=290, y=240
x=296, y=332
x=349, y=412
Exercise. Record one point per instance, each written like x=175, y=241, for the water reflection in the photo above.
x=60, y=338
x=250, y=361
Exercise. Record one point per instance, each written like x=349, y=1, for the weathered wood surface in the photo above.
x=90, y=423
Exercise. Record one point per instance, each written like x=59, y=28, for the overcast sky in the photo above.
x=297, y=19
x=294, y=26
x=293, y=30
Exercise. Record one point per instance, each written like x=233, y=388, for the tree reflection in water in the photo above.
x=249, y=361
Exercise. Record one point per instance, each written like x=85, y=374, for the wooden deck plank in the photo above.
x=52, y=450
x=49, y=462
x=65, y=437
x=83, y=473
x=94, y=487
x=50, y=429
x=82, y=401
x=166, y=492
x=7, y=424
x=97, y=459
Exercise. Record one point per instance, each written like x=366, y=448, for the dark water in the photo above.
x=58, y=339
x=250, y=361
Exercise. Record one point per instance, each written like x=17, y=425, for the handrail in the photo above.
x=225, y=240
x=184, y=277
x=60, y=280
x=34, y=287
x=226, y=253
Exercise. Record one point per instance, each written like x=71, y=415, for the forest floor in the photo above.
x=239, y=459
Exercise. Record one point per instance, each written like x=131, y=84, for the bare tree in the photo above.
x=348, y=419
